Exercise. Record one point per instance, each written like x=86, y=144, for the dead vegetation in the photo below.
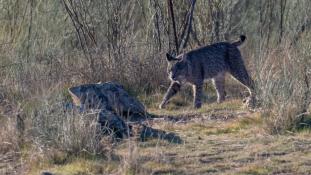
x=212, y=143
x=48, y=46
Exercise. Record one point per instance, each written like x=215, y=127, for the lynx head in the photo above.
x=178, y=68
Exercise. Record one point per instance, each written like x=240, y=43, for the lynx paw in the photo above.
x=197, y=105
x=162, y=106
x=250, y=102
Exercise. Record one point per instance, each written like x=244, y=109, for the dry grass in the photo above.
x=223, y=140
x=10, y=146
x=8, y=135
x=283, y=82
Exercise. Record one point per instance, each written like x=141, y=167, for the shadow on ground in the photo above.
x=147, y=132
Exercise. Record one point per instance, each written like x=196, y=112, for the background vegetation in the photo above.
x=47, y=46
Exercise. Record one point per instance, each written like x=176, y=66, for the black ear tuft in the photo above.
x=243, y=38
x=171, y=58
x=168, y=57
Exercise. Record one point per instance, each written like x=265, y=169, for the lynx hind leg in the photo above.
x=219, y=83
x=243, y=77
x=171, y=91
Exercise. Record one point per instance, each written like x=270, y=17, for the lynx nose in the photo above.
x=173, y=78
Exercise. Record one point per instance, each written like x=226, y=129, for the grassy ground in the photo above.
x=217, y=139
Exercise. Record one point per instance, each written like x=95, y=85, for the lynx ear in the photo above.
x=75, y=94
x=171, y=58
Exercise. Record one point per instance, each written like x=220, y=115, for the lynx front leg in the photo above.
x=219, y=83
x=197, y=95
x=172, y=90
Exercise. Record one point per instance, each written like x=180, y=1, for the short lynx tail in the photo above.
x=241, y=41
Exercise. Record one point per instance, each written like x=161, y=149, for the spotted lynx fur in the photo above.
x=209, y=62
